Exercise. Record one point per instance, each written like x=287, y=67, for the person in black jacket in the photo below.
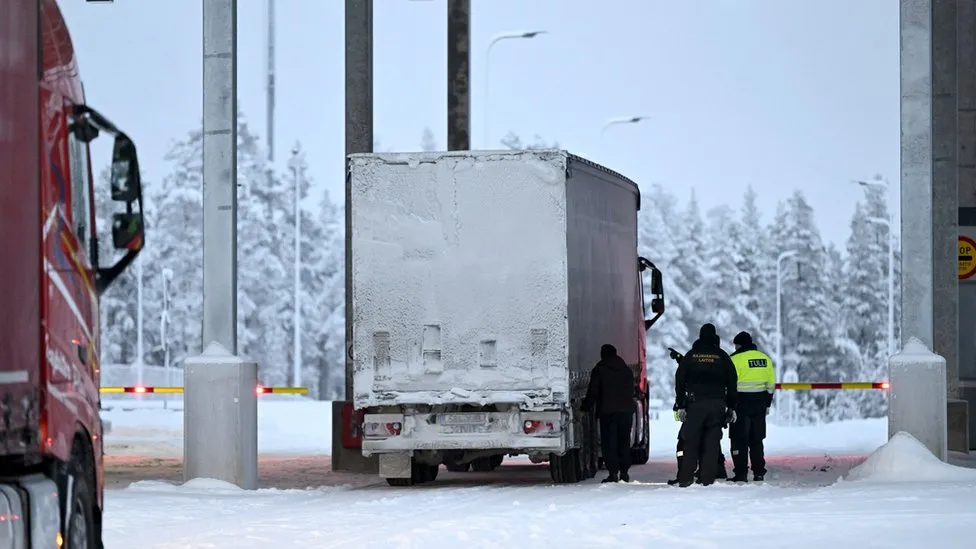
x=705, y=398
x=680, y=449
x=611, y=392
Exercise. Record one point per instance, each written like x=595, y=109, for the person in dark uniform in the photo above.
x=756, y=385
x=705, y=395
x=680, y=449
x=611, y=392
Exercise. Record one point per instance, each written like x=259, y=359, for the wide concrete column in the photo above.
x=966, y=135
x=929, y=186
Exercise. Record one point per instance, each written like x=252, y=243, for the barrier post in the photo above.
x=220, y=418
x=917, y=402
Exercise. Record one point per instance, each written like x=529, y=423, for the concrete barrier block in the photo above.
x=220, y=418
x=918, y=403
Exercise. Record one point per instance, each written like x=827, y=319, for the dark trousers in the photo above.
x=747, y=435
x=680, y=453
x=615, y=441
x=702, y=434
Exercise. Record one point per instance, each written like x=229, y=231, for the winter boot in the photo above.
x=685, y=483
x=624, y=476
x=758, y=478
x=739, y=478
x=611, y=478
x=672, y=482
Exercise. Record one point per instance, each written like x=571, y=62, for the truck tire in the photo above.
x=456, y=467
x=566, y=469
x=496, y=461
x=419, y=474
x=641, y=453
x=80, y=531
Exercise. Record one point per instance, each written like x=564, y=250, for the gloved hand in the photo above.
x=675, y=355
x=767, y=411
x=730, y=416
x=680, y=415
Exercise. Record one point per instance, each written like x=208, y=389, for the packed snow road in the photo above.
x=805, y=507
x=816, y=495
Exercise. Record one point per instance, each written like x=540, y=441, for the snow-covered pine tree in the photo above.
x=807, y=340
x=329, y=333
x=720, y=297
x=174, y=237
x=656, y=242
x=866, y=295
x=265, y=238
x=750, y=245
x=690, y=242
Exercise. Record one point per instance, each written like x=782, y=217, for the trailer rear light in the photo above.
x=260, y=390
x=540, y=427
x=140, y=390
x=885, y=385
x=380, y=429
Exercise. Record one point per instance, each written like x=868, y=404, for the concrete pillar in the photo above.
x=929, y=180
x=918, y=396
x=220, y=418
x=458, y=75
x=359, y=139
x=962, y=430
x=220, y=173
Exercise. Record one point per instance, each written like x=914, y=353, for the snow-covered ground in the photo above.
x=900, y=497
x=296, y=426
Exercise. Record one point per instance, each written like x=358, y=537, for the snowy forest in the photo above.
x=719, y=266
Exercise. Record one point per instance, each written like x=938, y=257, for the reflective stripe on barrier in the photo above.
x=851, y=385
x=179, y=390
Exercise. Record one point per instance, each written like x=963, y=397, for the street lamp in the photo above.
x=779, y=307
x=297, y=323
x=163, y=328
x=498, y=38
x=882, y=183
x=139, y=341
x=891, y=281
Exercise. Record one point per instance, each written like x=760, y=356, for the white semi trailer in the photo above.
x=484, y=284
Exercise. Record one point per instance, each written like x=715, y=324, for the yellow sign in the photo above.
x=967, y=257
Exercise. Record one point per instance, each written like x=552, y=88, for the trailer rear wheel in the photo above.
x=419, y=474
x=566, y=469
x=457, y=467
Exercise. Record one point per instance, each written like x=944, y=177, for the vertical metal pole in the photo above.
x=891, y=284
x=271, y=79
x=359, y=129
x=220, y=173
x=777, y=367
x=297, y=336
x=458, y=75
x=139, y=339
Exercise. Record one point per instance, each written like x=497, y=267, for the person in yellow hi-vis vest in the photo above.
x=756, y=385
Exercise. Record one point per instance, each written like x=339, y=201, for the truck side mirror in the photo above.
x=127, y=231
x=126, y=182
x=657, y=286
x=657, y=291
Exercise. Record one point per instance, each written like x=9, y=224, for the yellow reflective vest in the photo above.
x=755, y=371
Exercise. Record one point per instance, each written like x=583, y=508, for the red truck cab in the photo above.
x=51, y=277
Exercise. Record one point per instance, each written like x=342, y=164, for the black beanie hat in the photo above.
x=707, y=331
x=742, y=338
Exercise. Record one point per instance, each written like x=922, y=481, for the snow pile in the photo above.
x=209, y=485
x=905, y=459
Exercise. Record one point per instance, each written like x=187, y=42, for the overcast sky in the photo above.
x=774, y=93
